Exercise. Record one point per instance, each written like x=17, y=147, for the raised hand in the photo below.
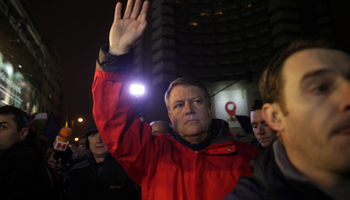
x=127, y=31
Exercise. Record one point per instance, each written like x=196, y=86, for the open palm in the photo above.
x=126, y=32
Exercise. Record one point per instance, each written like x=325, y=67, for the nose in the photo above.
x=188, y=108
x=98, y=138
x=344, y=96
x=261, y=129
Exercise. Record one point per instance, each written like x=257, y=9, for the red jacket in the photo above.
x=160, y=164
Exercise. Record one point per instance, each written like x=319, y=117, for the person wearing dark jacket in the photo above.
x=306, y=95
x=22, y=173
x=100, y=176
x=264, y=134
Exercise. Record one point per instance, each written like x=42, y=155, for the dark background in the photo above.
x=77, y=29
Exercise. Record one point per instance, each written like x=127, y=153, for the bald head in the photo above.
x=160, y=127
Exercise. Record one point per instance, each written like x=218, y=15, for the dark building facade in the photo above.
x=222, y=41
x=30, y=78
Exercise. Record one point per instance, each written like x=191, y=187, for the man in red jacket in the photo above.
x=198, y=160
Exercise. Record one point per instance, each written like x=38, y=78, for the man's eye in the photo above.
x=319, y=89
x=178, y=105
x=255, y=127
x=196, y=101
x=2, y=127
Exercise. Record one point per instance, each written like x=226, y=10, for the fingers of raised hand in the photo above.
x=136, y=10
x=128, y=9
x=144, y=10
x=118, y=10
x=133, y=11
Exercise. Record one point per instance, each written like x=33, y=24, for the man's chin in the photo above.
x=194, y=137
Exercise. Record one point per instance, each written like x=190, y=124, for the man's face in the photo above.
x=316, y=132
x=189, y=113
x=97, y=146
x=8, y=132
x=263, y=133
x=82, y=150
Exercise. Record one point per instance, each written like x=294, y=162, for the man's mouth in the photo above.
x=191, y=120
x=264, y=139
x=344, y=131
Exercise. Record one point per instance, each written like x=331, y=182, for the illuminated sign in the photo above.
x=231, y=103
x=15, y=89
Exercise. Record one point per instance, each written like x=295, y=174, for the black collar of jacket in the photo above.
x=218, y=135
x=19, y=148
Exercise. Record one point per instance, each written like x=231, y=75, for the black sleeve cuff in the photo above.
x=122, y=64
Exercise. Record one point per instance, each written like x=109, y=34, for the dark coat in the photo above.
x=269, y=183
x=23, y=175
x=89, y=180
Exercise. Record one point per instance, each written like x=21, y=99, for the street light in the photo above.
x=79, y=120
x=138, y=92
x=136, y=89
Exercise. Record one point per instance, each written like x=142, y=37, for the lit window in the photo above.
x=205, y=14
x=218, y=13
x=193, y=24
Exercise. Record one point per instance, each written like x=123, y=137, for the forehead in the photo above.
x=157, y=125
x=306, y=61
x=7, y=118
x=93, y=133
x=185, y=91
x=255, y=116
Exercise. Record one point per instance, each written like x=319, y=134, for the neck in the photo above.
x=197, y=139
x=99, y=158
x=334, y=183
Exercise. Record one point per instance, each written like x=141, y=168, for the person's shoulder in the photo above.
x=78, y=170
x=80, y=165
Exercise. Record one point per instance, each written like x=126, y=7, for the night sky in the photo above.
x=77, y=29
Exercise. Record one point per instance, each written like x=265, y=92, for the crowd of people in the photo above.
x=302, y=130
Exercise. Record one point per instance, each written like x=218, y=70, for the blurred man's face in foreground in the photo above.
x=316, y=128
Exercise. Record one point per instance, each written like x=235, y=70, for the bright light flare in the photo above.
x=137, y=89
x=80, y=119
x=76, y=139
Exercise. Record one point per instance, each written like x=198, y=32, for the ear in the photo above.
x=210, y=107
x=23, y=134
x=170, y=116
x=273, y=116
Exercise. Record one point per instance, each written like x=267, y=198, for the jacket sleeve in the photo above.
x=128, y=139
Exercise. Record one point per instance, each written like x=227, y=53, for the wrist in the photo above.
x=118, y=50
